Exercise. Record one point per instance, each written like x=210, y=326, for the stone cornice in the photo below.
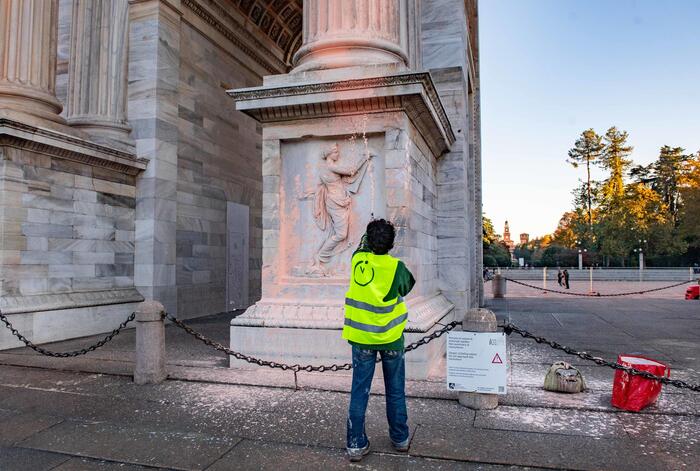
x=414, y=93
x=57, y=301
x=59, y=145
x=234, y=32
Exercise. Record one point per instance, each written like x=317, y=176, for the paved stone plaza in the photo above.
x=208, y=416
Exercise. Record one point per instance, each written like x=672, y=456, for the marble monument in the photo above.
x=362, y=121
x=126, y=172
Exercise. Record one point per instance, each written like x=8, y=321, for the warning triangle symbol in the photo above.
x=497, y=359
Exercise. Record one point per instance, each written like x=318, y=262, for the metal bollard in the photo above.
x=150, y=343
x=479, y=320
x=498, y=286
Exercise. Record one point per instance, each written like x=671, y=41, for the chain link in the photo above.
x=74, y=353
x=598, y=295
x=510, y=328
x=296, y=367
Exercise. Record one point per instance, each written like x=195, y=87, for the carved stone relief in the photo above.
x=330, y=191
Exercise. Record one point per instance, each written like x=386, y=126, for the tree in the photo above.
x=689, y=216
x=614, y=160
x=665, y=176
x=641, y=215
x=572, y=230
x=587, y=149
x=538, y=245
x=489, y=233
x=556, y=255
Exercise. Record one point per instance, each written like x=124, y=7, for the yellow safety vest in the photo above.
x=369, y=319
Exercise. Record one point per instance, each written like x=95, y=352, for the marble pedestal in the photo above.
x=340, y=147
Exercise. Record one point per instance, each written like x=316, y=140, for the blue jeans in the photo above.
x=394, y=370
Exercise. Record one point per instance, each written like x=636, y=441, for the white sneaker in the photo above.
x=402, y=447
x=356, y=454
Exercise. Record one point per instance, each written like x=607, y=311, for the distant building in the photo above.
x=508, y=241
x=524, y=238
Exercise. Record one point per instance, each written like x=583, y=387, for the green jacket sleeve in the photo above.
x=362, y=247
x=402, y=284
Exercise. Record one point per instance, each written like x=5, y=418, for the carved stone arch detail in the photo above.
x=279, y=20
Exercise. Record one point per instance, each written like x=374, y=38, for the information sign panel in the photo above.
x=476, y=362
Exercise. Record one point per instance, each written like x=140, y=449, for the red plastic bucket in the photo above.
x=632, y=392
x=693, y=292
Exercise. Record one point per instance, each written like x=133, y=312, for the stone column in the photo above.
x=96, y=101
x=153, y=111
x=356, y=32
x=28, y=37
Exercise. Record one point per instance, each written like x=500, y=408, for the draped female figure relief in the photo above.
x=339, y=179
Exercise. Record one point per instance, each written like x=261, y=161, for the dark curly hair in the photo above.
x=380, y=236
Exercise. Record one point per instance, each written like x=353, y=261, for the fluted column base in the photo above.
x=104, y=131
x=31, y=101
x=335, y=53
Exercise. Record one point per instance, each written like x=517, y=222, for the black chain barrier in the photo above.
x=510, y=328
x=507, y=328
x=297, y=367
x=74, y=353
x=597, y=295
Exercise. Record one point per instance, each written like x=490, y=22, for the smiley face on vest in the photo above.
x=363, y=274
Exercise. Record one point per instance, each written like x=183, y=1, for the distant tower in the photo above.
x=506, y=234
x=524, y=238
x=509, y=242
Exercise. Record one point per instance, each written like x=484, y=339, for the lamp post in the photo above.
x=641, y=253
x=640, y=250
x=580, y=255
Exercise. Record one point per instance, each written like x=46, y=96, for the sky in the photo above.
x=551, y=69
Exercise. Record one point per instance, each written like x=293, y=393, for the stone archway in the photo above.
x=279, y=20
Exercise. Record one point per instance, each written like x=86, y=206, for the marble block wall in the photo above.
x=412, y=188
x=218, y=161
x=454, y=187
x=452, y=59
x=202, y=152
x=71, y=228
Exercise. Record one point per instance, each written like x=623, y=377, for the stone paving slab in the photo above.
x=514, y=290
x=258, y=455
x=533, y=449
x=181, y=451
x=523, y=351
x=672, y=404
x=678, y=434
x=556, y=421
x=78, y=364
x=17, y=426
x=22, y=459
x=309, y=420
x=85, y=464
x=256, y=377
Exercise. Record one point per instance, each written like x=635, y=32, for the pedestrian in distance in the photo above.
x=560, y=275
x=566, y=278
x=375, y=318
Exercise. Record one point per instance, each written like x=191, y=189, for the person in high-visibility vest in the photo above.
x=375, y=317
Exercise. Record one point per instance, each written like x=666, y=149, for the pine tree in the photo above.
x=614, y=160
x=668, y=170
x=665, y=176
x=587, y=149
